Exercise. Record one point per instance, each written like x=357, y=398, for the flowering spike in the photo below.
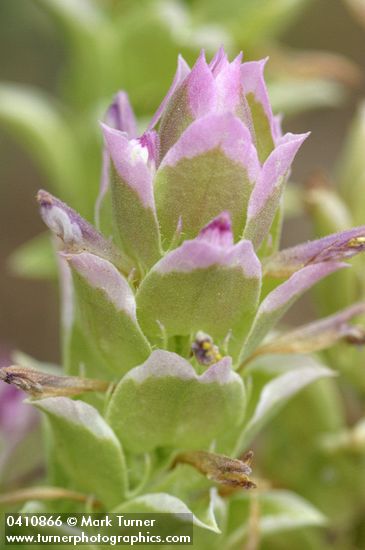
x=190, y=205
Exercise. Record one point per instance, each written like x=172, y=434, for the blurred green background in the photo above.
x=39, y=50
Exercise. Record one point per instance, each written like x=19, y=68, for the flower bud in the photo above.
x=76, y=234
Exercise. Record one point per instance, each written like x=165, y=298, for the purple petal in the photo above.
x=182, y=72
x=150, y=141
x=218, y=232
x=131, y=161
x=120, y=115
x=216, y=131
x=101, y=274
x=338, y=246
x=76, y=233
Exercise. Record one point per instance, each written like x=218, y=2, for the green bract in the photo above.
x=165, y=403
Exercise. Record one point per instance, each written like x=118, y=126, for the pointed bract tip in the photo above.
x=120, y=116
x=238, y=58
x=218, y=58
x=290, y=139
x=200, y=62
x=181, y=62
x=109, y=131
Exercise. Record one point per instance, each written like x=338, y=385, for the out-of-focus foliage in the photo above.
x=336, y=203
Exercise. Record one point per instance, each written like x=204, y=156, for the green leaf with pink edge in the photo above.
x=207, y=284
x=133, y=208
x=106, y=312
x=87, y=448
x=165, y=403
x=211, y=168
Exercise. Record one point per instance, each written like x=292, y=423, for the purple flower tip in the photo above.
x=61, y=219
x=120, y=115
x=218, y=231
x=150, y=142
x=44, y=199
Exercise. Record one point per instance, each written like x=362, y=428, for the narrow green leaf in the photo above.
x=277, y=391
x=278, y=511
